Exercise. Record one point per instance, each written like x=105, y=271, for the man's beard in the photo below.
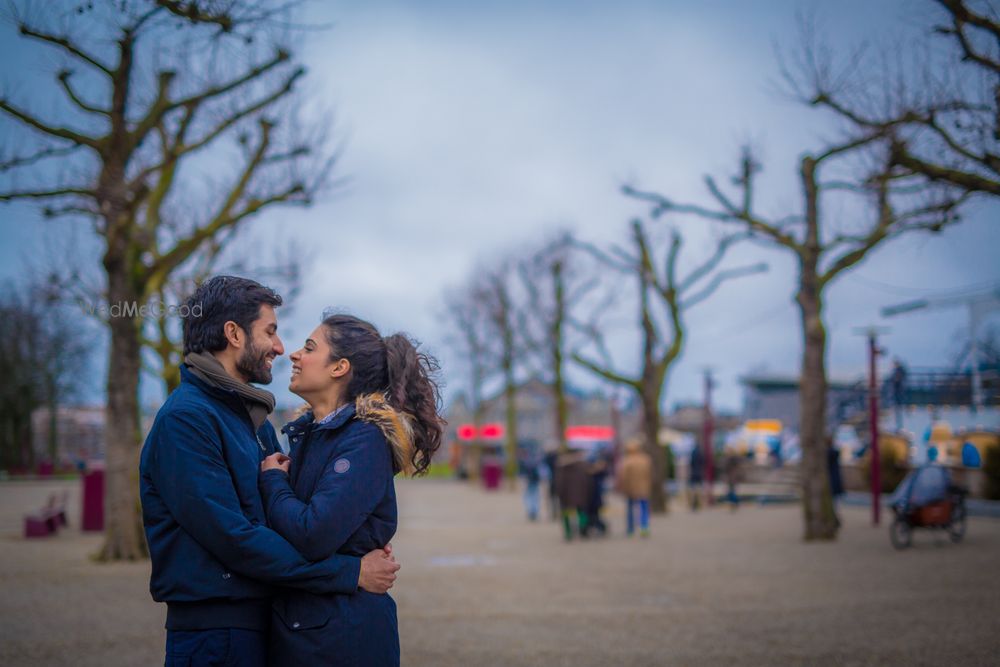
x=253, y=364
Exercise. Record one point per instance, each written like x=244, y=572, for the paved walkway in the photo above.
x=482, y=586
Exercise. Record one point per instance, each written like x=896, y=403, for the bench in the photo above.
x=48, y=519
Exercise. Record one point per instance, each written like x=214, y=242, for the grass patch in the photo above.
x=439, y=471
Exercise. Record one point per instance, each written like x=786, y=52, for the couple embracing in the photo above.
x=268, y=559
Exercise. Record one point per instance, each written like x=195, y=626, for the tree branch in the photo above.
x=191, y=11
x=967, y=180
x=960, y=15
x=66, y=45
x=718, y=279
x=226, y=217
x=605, y=373
x=243, y=113
x=64, y=82
x=280, y=57
x=60, y=132
x=849, y=146
x=24, y=161
x=730, y=214
x=710, y=265
x=44, y=194
x=162, y=105
x=625, y=264
x=49, y=212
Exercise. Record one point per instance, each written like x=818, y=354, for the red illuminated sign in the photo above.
x=486, y=431
x=590, y=433
x=489, y=431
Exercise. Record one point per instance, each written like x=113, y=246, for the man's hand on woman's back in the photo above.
x=378, y=571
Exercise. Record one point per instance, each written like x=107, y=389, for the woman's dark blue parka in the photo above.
x=338, y=499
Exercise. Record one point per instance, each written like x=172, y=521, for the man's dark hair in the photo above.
x=217, y=301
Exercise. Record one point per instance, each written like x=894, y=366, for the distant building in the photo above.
x=79, y=434
x=690, y=418
x=535, y=404
x=777, y=397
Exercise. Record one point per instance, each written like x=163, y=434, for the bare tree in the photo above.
x=134, y=140
x=44, y=353
x=471, y=339
x=495, y=292
x=892, y=206
x=661, y=346
x=940, y=115
x=555, y=283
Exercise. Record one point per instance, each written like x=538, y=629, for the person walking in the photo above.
x=833, y=470
x=531, y=466
x=599, y=469
x=696, y=471
x=635, y=481
x=573, y=489
x=731, y=470
x=550, y=466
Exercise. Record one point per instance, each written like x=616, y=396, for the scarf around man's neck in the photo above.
x=259, y=403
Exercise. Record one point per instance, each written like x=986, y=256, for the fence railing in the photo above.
x=921, y=388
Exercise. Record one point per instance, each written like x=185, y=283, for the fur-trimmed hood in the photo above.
x=395, y=426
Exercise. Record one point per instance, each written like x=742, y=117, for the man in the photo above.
x=635, y=480
x=213, y=558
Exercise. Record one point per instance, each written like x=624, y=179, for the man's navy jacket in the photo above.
x=214, y=560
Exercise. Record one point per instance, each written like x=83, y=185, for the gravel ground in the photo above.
x=482, y=586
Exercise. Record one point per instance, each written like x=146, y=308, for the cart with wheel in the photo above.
x=927, y=499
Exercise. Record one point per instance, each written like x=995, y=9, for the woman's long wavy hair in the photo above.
x=392, y=365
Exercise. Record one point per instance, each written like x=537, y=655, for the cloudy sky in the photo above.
x=472, y=129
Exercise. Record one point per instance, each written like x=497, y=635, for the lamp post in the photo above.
x=872, y=334
x=706, y=433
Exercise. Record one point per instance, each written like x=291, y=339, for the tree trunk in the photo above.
x=123, y=537
x=658, y=500
x=558, y=385
x=26, y=435
x=820, y=519
x=172, y=378
x=510, y=398
x=474, y=455
x=53, y=401
x=562, y=410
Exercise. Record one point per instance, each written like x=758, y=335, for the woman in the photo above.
x=372, y=413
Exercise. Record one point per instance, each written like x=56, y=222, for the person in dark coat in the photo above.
x=600, y=468
x=833, y=469
x=530, y=466
x=696, y=472
x=731, y=465
x=372, y=414
x=214, y=560
x=573, y=488
x=551, y=464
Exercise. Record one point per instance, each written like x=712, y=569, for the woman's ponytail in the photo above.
x=413, y=389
